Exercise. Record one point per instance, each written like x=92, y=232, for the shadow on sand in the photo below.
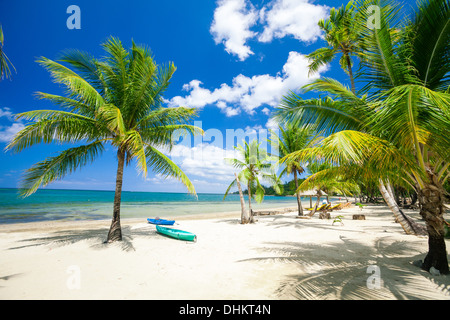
x=95, y=236
x=340, y=271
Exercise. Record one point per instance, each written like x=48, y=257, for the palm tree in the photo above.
x=407, y=111
x=5, y=71
x=293, y=138
x=115, y=101
x=341, y=37
x=255, y=164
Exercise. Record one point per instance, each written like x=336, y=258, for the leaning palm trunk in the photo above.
x=410, y=226
x=299, y=200
x=244, y=216
x=115, y=231
x=250, y=210
x=431, y=198
x=319, y=193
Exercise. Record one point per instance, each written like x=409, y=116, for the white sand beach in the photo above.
x=279, y=257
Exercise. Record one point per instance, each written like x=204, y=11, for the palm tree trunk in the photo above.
x=299, y=200
x=408, y=225
x=345, y=196
x=115, y=231
x=251, y=219
x=350, y=72
x=431, y=198
x=244, y=215
x=319, y=193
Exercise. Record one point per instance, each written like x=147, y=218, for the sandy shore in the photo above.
x=279, y=257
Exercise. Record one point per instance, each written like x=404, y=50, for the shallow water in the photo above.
x=52, y=204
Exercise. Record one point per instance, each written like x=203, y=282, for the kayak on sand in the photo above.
x=159, y=221
x=177, y=234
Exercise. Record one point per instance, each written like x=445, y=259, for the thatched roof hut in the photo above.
x=311, y=193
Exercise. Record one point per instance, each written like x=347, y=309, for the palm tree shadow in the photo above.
x=96, y=238
x=338, y=272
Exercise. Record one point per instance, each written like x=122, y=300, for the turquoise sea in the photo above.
x=52, y=204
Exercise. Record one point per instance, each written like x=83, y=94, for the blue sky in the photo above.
x=235, y=59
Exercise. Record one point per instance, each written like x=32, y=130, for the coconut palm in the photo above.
x=5, y=71
x=341, y=37
x=116, y=102
x=408, y=111
x=293, y=138
x=255, y=165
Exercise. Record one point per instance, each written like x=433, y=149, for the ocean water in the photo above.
x=52, y=204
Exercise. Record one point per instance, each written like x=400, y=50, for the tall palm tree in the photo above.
x=408, y=111
x=293, y=138
x=341, y=37
x=5, y=71
x=255, y=164
x=114, y=101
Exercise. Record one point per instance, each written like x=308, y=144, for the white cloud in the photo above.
x=6, y=112
x=297, y=18
x=205, y=160
x=249, y=93
x=9, y=131
x=272, y=124
x=266, y=111
x=233, y=20
x=231, y=26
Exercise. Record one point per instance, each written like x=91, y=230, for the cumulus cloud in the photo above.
x=248, y=93
x=231, y=26
x=7, y=132
x=297, y=18
x=205, y=160
x=234, y=19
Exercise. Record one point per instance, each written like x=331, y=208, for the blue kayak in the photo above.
x=161, y=222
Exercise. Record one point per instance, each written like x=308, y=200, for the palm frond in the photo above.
x=428, y=37
x=55, y=168
x=77, y=86
x=55, y=126
x=112, y=117
x=5, y=63
x=87, y=67
x=319, y=58
x=232, y=185
x=163, y=116
x=162, y=164
x=136, y=149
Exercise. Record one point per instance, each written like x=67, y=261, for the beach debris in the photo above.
x=338, y=219
x=273, y=211
x=360, y=205
x=359, y=217
x=324, y=215
x=434, y=271
x=418, y=263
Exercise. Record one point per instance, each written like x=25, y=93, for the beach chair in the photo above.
x=318, y=209
x=336, y=207
x=348, y=204
x=324, y=208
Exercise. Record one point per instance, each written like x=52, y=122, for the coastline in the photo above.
x=277, y=258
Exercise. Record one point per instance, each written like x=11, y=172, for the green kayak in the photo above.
x=177, y=234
